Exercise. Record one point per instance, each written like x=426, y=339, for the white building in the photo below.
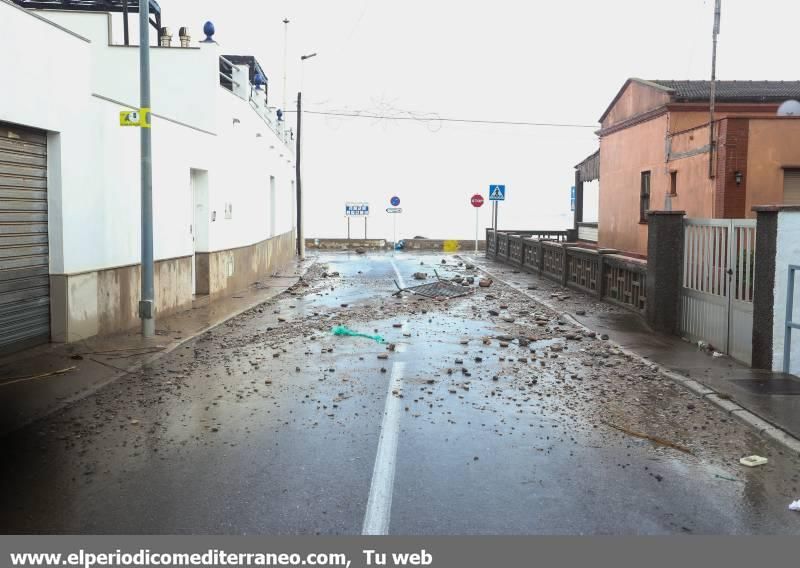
x=223, y=177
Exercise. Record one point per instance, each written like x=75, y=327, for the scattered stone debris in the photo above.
x=539, y=382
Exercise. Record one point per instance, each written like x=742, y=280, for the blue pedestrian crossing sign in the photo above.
x=497, y=193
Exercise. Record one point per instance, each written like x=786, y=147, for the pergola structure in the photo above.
x=119, y=6
x=587, y=170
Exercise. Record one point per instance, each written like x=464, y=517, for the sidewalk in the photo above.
x=773, y=397
x=41, y=380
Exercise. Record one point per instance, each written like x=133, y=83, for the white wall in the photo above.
x=787, y=252
x=94, y=187
x=47, y=89
x=182, y=88
x=244, y=166
x=33, y=57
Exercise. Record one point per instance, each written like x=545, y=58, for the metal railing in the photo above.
x=226, y=73
x=787, y=339
x=229, y=77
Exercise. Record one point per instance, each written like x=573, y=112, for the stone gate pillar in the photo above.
x=664, y=269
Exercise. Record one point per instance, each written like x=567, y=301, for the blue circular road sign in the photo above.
x=395, y=201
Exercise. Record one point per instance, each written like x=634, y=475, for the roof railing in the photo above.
x=249, y=92
x=227, y=77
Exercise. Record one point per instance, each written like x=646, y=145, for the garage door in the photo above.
x=24, y=260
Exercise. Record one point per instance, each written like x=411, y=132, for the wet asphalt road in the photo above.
x=269, y=424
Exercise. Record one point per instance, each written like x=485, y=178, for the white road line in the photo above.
x=379, y=505
x=399, y=276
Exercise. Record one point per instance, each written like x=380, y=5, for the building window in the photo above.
x=673, y=183
x=791, y=186
x=644, y=197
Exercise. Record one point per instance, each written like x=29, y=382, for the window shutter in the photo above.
x=791, y=187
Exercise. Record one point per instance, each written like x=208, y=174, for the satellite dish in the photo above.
x=789, y=108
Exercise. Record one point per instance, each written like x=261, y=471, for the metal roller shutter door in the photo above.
x=24, y=258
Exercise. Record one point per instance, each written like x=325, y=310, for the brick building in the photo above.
x=656, y=153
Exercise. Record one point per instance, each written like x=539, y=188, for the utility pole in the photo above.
x=301, y=245
x=712, y=102
x=147, y=302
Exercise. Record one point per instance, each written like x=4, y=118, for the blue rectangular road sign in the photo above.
x=572, y=198
x=497, y=193
x=356, y=209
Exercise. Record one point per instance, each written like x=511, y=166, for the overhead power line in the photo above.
x=429, y=118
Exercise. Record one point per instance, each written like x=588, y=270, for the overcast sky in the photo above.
x=501, y=60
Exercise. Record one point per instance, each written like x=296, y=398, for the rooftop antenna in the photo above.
x=715, y=33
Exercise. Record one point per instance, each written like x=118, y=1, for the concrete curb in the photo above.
x=747, y=417
x=168, y=348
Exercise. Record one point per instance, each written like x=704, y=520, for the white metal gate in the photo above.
x=717, y=294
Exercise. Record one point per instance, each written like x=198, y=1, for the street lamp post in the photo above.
x=301, y=243
x=285, y=58
x=147, y=301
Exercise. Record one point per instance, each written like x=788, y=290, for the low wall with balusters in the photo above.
x=553, y=254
